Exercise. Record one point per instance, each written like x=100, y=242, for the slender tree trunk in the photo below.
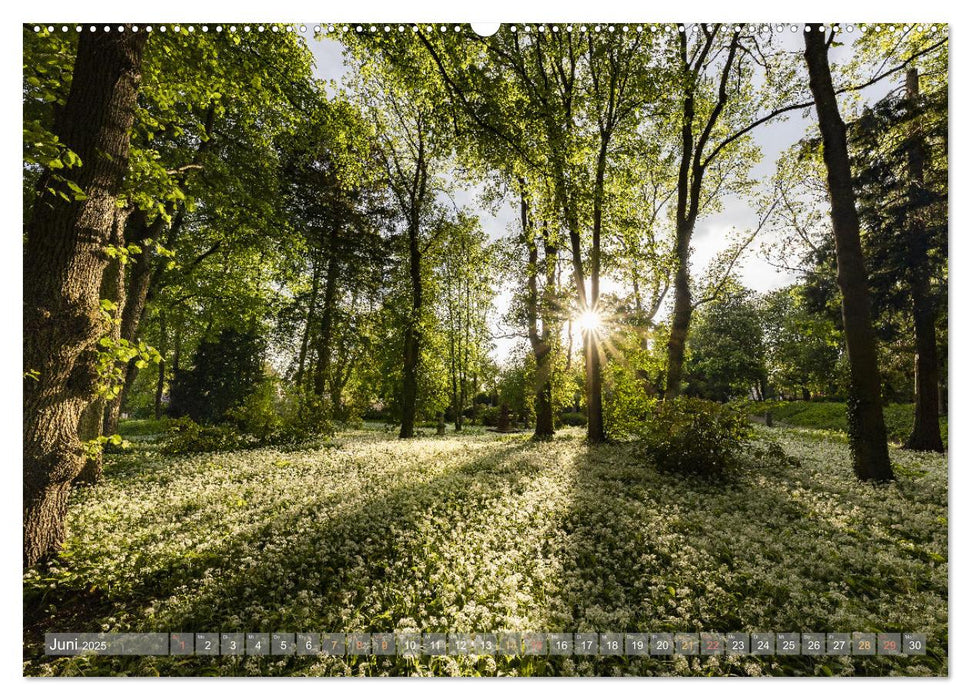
x=322, y=371
x=177, y=347
x=412, y=340
x=112, y=289
x=926, y=433
x=64, y=262
x=453, y=361
x=592, y=341
x=163, y=351
x=464, y=355
x=867, y=432
x=133, y=306
x=539, y=341
x=681, y=316
x=680, y=324
x=691, y=174
x=569, y=344
x=89, y=428
x=144, y=279
x=305, y=343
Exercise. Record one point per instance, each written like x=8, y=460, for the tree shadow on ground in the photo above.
x=771, y=549
x=317, y=540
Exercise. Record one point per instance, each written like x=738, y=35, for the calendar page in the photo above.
x=426, y=348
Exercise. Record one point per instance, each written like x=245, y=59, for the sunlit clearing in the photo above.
x=589, y=321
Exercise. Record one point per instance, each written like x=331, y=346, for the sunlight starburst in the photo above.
x=590, y=321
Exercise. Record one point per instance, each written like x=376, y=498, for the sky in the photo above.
x=711, y=233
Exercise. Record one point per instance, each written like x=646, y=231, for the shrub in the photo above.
x=374, y=414
x=225, y=371
x=694, y=436
x=184, y=436
x=573, y=418
x=307, y=414
x=257, y=414
x=489, y=416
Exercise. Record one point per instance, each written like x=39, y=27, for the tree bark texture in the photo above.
x=64, y=262
x=867, y=432
x=926, y=433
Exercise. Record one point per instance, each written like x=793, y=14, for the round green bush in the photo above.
x=694, y=436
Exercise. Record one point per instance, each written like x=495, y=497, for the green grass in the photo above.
x=825, y=415
x=141, y=427
x=487, y=532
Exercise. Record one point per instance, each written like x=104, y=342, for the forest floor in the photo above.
x=481, y=532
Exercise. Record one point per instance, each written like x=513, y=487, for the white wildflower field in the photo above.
x=481, y=532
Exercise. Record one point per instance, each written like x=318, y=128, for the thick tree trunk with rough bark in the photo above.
x=64, y=262
x=926, y=433
x=867, y=432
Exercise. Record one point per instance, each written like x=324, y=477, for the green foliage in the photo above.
x=115, y=353
x=727, y=351
x=257, y=413
x=225, y=371
x=268, y=415
x=489, y=416
x=573, y=419
x=185, y=436
x=515, y=388
x=694, y=436
x=803, y=347
x=633, y=383
x=94, y=447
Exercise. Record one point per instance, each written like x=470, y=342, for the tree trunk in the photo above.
x=543, y=384
x=305, y=343
x=89, y=429
x=465, y=361
x=159, y=388
x=594, y=386
x=112, y=289
x=64, y=262
x=592, y=343
x=133, y=305
x=691, y=173
x=322, y=371
x=569, y=344
x=163, y=349
x=867, y=432
x=453, y=351
x=412, y=344
x=144, y=279
x=926, y=433
x=680, y=325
